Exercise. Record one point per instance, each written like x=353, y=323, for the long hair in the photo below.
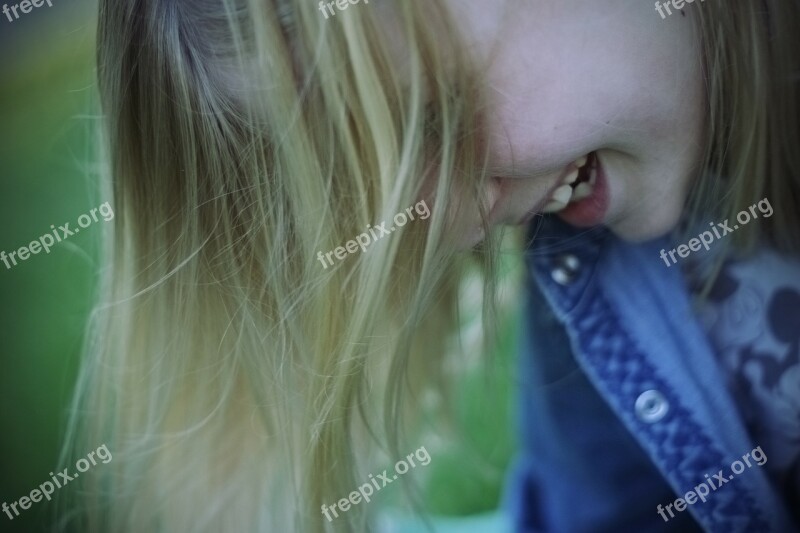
x=236, y=379
x=229, y=365
x=752, y=74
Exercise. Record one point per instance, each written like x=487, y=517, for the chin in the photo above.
x=646, y=227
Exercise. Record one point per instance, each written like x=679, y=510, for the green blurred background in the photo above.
x=48, y=108
x=46, y=75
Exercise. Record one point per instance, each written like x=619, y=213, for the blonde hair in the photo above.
x=228, y=365
x=753, y=87
x=232, y=376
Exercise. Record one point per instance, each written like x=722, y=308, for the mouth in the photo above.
x=578, y=184
x=582, y=196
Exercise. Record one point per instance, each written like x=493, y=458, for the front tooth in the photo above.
x=572, y=177
x=559, y=200
x=562, y=194
x=580, y=162
x=583, y=190
x=553, y=206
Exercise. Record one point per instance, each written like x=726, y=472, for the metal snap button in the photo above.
x=651, y=406
x=566, y=269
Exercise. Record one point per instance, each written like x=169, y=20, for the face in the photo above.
x=604, y=85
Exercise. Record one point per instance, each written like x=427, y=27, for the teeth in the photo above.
x=562, y=194
x=560, y=199
x=566, y=194
x=553, y=206
x=572, y=178
x=583, y=190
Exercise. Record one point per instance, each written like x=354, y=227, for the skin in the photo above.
x=569, y=77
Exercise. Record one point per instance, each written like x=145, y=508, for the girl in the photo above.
x=243, y=386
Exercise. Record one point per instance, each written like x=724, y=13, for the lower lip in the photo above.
x=591, y=210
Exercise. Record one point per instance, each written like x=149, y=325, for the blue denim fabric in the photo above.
x=623, y=405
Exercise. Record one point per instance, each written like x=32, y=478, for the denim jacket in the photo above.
x=623, y=405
